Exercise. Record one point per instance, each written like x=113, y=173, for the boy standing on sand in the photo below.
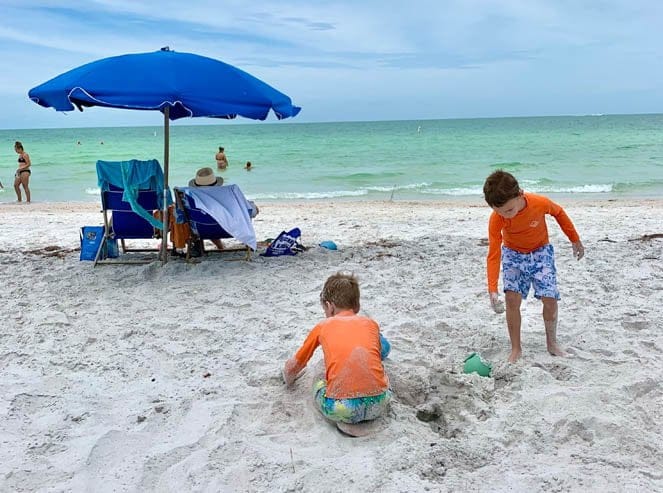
x=356, y=387
x=517, y=233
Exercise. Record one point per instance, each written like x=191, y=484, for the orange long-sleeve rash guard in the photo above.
x=351, y=347
x=524, y=233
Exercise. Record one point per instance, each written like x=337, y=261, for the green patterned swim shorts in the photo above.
x=350, y=410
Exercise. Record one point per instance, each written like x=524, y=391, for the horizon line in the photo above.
x=213, y=121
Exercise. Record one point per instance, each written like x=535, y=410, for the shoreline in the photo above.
x=447, y=202
x=399, y=196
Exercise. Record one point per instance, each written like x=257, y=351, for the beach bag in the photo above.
x=287, y=243
x=91, y=238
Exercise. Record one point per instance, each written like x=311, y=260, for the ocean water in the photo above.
x=598, y=156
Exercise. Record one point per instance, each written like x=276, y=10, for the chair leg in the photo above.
x=193, y=243
x=101, y=247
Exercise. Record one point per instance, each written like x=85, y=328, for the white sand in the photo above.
x=103, y=371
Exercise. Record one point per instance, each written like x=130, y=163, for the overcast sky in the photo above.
x=356, y=59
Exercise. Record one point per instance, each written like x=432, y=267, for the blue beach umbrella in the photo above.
x=177, y=84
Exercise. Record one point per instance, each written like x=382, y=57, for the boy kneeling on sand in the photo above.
x=356, y=387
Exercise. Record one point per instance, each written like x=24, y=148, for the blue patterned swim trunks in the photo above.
x=522, y=270
x=350, y=410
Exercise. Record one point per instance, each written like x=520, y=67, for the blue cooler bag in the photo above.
x=91, y=238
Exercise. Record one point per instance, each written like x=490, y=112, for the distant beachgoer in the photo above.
x=221, y=160
x=22, y=176
x=518, y=236
x=248, y=165
x=78, y=143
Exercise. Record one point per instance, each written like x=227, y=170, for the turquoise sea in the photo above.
x=600, y=156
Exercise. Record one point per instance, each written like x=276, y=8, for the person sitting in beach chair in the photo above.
x=356, y=387
x=205, y=178
x=215, y=211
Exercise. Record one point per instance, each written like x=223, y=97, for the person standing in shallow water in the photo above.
x=221, y=160
x=22, y=176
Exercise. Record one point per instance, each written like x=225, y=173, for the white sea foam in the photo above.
x=421, y=188
x=341, y=193
x=309, y=195
x=592, y=188
x=409, y=186
x=472, y=191
x=453, y=191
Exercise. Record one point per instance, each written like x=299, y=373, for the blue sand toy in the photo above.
x=328, y=244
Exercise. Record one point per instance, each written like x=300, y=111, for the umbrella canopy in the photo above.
x=177, y=84
x=188, y=85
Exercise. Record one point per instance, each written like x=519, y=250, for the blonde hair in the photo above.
x=341, y=289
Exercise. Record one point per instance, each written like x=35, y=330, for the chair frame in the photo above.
x=111, y=201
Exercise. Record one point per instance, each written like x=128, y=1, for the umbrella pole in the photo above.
x=164, y=215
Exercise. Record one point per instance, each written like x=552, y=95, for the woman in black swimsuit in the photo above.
x=22, y=176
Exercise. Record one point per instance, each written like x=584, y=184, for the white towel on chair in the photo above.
x=229, y=207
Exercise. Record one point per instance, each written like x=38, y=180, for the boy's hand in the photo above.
x=287, y=378
x=578, y=250
x=495, y=303
x=290, y=372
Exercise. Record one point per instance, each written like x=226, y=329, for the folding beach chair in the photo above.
x=217, y=213
x=130, y=192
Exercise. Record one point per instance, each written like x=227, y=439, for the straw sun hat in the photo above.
x=204, y=178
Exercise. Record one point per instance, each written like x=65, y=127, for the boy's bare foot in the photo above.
x=361, y=429
x=515, y=355
x=555, y=350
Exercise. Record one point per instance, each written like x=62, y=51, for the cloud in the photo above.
x=299, y=46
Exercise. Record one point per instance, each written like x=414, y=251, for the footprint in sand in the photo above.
x=558, y=371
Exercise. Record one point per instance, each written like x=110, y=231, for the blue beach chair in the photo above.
x=130, y=192
x=217, y=213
